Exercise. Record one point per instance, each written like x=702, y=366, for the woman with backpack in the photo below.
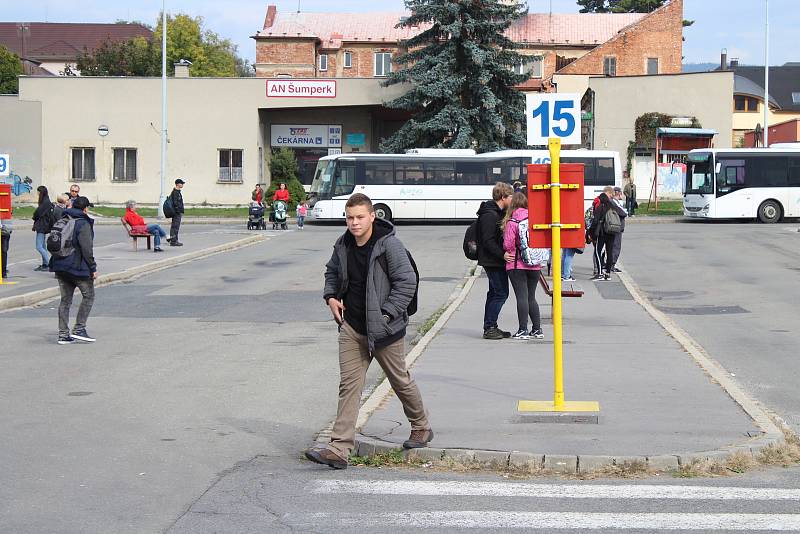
x=524, y=277
x=42, y=223
x=602, y=239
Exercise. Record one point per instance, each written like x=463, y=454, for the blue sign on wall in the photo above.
x=356, y=139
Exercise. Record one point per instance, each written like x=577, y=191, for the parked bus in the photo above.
x=439, y=184
x=758, y=183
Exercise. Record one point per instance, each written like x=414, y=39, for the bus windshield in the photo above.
x=700, y=174
x=323, y=179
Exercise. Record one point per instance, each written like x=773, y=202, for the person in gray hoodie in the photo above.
x=369, y=283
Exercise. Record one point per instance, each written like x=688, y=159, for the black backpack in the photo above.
x=412, y=306
x=169, y=210
x=61, y=239
x=471, y=241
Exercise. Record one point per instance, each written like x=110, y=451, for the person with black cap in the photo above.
x=177, y=204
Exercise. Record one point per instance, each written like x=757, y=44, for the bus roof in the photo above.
x=743, y=151
x=483, y=156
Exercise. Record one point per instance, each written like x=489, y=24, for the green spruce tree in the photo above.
x=461, y=75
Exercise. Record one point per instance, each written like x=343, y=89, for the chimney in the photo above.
x=734, y=62
x=270, y=18
x=182, y=68
x=723, y=59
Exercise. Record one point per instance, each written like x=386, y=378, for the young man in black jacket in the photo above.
x=369, y=283
x=492, y=257
x=177, y=206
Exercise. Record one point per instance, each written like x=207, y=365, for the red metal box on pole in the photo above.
x=539, y=209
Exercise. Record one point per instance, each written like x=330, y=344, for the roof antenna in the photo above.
x=298, y=6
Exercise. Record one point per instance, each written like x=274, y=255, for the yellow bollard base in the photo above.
x=4, y=283
x=549, y=406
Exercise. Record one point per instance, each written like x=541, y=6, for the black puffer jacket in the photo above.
x=41, y=217
x=490, y=238
x=177, y=200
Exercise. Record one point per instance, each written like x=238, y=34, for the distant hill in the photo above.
x=699, y=67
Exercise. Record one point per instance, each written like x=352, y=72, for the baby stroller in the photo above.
x=255, y=217
x=278, y=215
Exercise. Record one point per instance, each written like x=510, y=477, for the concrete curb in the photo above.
x=35, y=297
x=534, y=463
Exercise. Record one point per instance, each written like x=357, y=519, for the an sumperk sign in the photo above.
x=290, y=88
x=306, y=135
x=552, y=115
x=5, y=165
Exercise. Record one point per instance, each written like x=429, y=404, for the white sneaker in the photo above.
x=537, y=334
x=521, y=334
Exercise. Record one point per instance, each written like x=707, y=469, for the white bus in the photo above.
x=762, y=183
x=438, y=184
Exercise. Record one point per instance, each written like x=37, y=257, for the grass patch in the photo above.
x=665, y=207
x=23, y=212
x=785, y=454
x=701, y=468
x=107, y=211
x=741, y=462
x=394, y=457
x=427, y=325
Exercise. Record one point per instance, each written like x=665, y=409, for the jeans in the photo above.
x=566, y=262
x=175, y=227
x=524, y=282
x=41, y=248
x=300, y=221
x=630, y=205
x=67, y=285
x=157, y=232
x=496, y=296
x=6, y=240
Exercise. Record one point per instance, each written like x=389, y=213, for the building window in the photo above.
x=348, y=60
x=745, y=104
x=796, y=98
x=323, y=62
x=610, y=66
x=83, y=165
x=652, y=65
x=124, y=165
x=230, y=165
x=383, y=63
x=532, y=66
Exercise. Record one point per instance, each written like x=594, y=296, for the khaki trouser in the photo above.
x=354, y=359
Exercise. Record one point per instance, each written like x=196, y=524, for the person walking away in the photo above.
x=369, y=283
x=616, y=248
x=492, y=257
x=258, y=194
x=137, y=224
x=77, y=270
x=524, y=278
x=42, y=222
x=302, y=211
x=5, y=242
x=281, y=193
x=601, y=240
x=177, y=205
x=630, y=197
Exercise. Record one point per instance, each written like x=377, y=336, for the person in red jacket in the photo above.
x=138, y=225
x=281, y=193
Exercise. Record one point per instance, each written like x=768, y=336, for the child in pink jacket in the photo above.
x=524, y=278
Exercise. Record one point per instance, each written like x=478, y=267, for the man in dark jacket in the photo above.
x=5, y=240
x=369, y=283
x=491, y=257
x=78, y=270
x=177, y=205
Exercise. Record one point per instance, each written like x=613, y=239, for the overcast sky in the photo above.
x=737, y=25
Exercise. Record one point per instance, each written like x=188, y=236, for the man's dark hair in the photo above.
x=359, y=199
x=80, y=203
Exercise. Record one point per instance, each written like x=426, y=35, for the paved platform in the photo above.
x=654, y=398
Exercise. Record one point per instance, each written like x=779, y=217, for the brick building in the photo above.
x=362, y=45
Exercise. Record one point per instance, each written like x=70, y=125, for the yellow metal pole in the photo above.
x=555, y=199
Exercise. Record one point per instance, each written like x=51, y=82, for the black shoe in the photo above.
x=42, y=268
x=418, y=439
x=597, y=277
x=158, y=249
x=81, y=335
x=615, y=270
x=326, y=457
x=493, y=333
x=606, y=277
x=65, y=339
x=506, y=333
x=175, y=244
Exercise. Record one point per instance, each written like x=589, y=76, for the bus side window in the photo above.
x=409, y=173
x=590, y=174
x=471, y=173
x=379, y=172
x=345, y=178
x=439, y=173
x=794, y=171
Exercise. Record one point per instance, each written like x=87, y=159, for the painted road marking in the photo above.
x=554, y=520
x=555, y=491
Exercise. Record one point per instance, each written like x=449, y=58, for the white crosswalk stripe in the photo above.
x=563, y=520
x=561, y=491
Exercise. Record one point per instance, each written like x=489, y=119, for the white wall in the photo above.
x=21, y=139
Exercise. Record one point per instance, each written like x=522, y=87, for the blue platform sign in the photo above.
x=5, y=165
x=356, y=139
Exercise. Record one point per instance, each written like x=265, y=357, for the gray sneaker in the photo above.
x=65, y=339
x=537, y=334
x=81, y=335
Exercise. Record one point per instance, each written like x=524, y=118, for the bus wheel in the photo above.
x=383, y=212
x=769, y=212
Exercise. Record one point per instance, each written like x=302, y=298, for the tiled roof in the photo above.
x=47, y=41
x=783, y=81
x=332, y=28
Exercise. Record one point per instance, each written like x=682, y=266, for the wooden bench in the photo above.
x=136, y=235
x=568, y=289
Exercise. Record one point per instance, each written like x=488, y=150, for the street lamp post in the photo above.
x=162, y=196
x=766, y=74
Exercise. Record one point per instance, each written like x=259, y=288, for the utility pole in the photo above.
x=162, y=197
x=766, y=74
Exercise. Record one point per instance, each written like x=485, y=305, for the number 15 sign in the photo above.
x=553, y=115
